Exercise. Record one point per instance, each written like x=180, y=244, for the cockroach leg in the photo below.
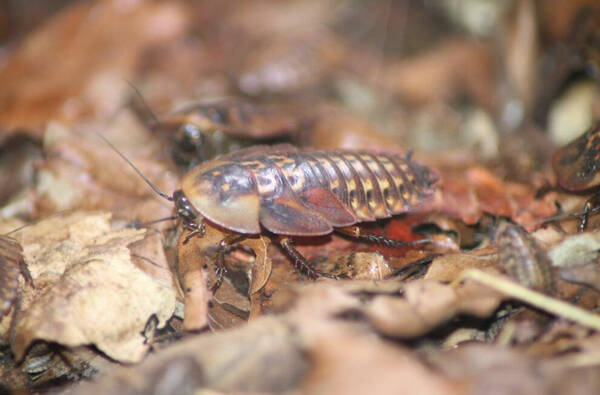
x=356, y=232
x=13, y=251
x=26, y=273
x=195, y=229
x=225, y=246
x=300, y=262
x=589, y=208
x=415, y=269
x=584, y=217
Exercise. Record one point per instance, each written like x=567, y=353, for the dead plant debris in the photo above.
x=105, y=286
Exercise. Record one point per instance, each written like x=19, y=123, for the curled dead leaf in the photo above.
x=88, y=291
x=393, y=308
x=231, y=304
x=87, y=82
x=449, y=266
x=262, y=265
x=233, y=361
x=362, y=266
x=81, y=171
x=576, y=258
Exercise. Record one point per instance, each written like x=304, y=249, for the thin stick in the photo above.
x=533, y=298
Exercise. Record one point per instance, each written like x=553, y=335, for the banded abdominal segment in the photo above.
x=373, y=195
x=304, y=193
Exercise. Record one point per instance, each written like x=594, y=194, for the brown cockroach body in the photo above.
x=524, y=259
x=303, y=193
x=201, y=131
x=577, y=164
x=291, y=192
x=577, y=168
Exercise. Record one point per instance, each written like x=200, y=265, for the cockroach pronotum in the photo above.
x=290, y=192
x=577, y=167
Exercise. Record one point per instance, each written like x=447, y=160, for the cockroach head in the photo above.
x=184, y=208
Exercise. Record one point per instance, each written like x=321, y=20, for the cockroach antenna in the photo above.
x=154, y=187
x=144, y=103
x=564, y=216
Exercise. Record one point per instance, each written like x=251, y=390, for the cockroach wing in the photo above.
x=284, y=216
x=224, y=194
x=310, y=184
x=328, y=206
x=281, y=212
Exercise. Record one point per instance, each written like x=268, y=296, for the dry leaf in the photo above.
x=262, y=265
x=88, y=291
x=468, y=193
x=81, y=171
x=350, y=363
x=276, y=355
x=77, y=64
x=262, y=357
x=438, y=73
x=11, y=258
x=494, y=369
x=576, y=258
x=394, y=309
x=289, y=62
x=449, y=267
x=192, y=261
x=335, y=130
x=230, y=304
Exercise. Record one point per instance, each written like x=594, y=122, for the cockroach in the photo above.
x=290, y=192
x=204, y=130
x=577, y=168
x=523, y=258
x=200, y=131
